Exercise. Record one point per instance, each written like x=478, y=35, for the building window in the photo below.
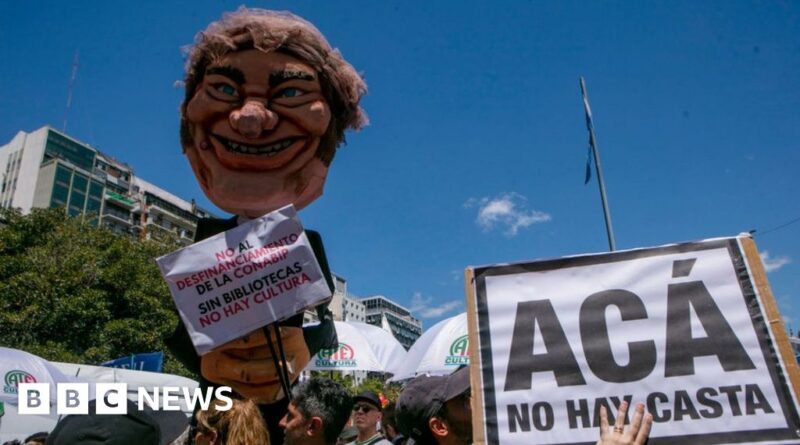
x=60, y=194
x=77, y=199
x=96, y=190
x=79, y=183
x=93, y=205
x=61, y=147
x=63, y=176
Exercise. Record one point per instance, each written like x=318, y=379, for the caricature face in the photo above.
x=256, y=120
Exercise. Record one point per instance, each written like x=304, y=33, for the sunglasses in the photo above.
x=363, y=407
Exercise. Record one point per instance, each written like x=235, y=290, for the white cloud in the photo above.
x=773, y=264
x=508, y=210
x=423, y=307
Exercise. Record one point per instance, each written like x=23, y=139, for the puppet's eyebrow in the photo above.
x=230, y=72
x=282, y=76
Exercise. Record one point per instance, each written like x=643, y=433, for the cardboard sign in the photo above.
x=690, y=330
x=253, y=275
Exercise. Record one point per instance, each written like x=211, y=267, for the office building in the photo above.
x=343, y=306
x=47, y=168
x=385, y=313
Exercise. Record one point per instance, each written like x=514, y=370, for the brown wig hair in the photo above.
x=287, y=33
x=240, y=425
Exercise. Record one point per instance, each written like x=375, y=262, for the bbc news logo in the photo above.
x=73, y=398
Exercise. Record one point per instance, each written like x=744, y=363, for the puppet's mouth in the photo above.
x=261, y=150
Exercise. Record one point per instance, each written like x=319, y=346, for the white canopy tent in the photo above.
x=390, y=353
x=362, y=347
x=439, y=351
x=22, y=367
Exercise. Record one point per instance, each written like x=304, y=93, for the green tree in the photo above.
x=389, y=390
x=375, y=384
x=72, y=292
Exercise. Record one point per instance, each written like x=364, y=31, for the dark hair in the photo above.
x=326, y=399
x=388, y=416
x=37, y=437
x=287, y=33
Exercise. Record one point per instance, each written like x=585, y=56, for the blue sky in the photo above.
x=477, y=145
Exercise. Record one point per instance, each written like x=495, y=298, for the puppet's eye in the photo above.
x=224, y=88
x=289, y=92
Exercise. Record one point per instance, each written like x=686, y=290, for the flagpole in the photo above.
x=598, y=169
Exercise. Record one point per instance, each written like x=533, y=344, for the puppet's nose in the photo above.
x=253, y=119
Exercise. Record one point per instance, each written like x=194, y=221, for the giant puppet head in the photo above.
x=267, y=103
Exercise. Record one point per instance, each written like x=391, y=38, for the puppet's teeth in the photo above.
x=268, y=150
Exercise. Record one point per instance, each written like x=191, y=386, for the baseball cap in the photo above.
x=369, y=397
x=423, y=397
x=137, y=427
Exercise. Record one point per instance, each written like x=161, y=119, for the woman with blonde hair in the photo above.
x=242, y=424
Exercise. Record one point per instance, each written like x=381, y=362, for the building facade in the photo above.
x=343, y=306
x=46, y=168
x=387, y=314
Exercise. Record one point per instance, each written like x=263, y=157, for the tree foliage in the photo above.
x=72, y=292
x=373, y=383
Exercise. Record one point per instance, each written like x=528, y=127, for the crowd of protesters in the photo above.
x=430, y=410
x=270, y=79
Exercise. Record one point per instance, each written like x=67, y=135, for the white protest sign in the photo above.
x=253, y=275
x=680, y=328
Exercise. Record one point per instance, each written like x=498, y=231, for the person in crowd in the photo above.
x=222, y=424
x=389, y=425
x=437, y=410
x=317, y=413
x=39, y=438
x=267, y=102
x=13, y=442
x=348, y=434
x=366, y=415
x=137, y=427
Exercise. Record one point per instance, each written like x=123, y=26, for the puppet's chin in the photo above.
x=240, y=198
x=255, y=193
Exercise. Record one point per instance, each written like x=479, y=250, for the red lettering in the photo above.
x=210, y=319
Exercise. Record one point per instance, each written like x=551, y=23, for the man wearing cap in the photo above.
x=434, y=410
x=366, y=415
x=136, y=427
x=437, y=410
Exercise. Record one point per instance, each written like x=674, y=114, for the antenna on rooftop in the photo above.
x=70, y=88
